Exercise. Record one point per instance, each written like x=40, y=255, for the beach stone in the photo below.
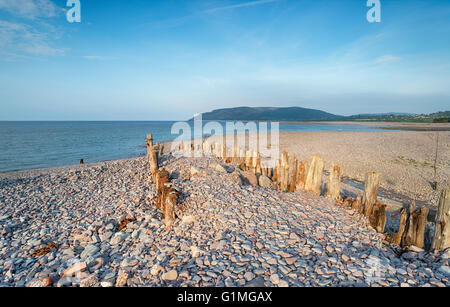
x=90, y=281
x=195, y=170
x=90, y=251
x=446, y=254
x=74, y=269
x=249, y=178
x=258, y=282
x=40, y=283
x=171, y=275
x=118, y=238
x=275, y=279
x=265, y=182
x=64, y=282
x=122, y=278
x=221, y=169
x=235, y=177
x=445, y=270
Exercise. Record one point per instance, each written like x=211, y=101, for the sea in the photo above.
x=39, y=145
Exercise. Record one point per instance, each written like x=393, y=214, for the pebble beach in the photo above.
x=96, y=226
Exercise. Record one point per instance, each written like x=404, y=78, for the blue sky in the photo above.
x=150, y=60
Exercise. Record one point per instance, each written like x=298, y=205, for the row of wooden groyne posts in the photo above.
x=290, y=175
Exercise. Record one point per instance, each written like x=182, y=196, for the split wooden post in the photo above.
x=370, y=192
x=314, y=177
x=397, y=237
x=152, y=155
x=410, y=234
x=441, y=239
x=421, y=227
x=301, y=176
x=334, y=183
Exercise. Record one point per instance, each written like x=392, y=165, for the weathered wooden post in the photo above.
x=292, y=174
x=441, y=239
x=421, y=227
x=258, y=169
x=284, y=171
x=314, y=177
x=161, y=150
x=235, y=158
x=411, y=226
x=397, y=237
x=162, y=177
x=378, y=217
x=248, y=160
x=370, y=192
x=169, y=209
x=356, y=205
x=301, y=176
x=334, y=183
x=152, y=155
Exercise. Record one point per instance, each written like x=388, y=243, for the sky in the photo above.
x=167, y=60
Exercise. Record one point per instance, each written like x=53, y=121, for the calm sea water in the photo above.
x=35, y=145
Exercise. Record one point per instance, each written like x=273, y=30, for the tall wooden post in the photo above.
x=334, y=183
x=441, y=239
x=314, y=176
x=284, y=171
x=370, y=192
x=152, y=155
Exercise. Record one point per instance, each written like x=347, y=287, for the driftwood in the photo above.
x=152, y=155
x=370, y=192
x=441, y=239
x=314, y=176
x=334, y=183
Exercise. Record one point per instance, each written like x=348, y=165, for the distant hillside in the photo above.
x=274, y=114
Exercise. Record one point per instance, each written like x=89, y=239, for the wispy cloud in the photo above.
x=240, y=5
x=30, y=9
x=97, y=58
x=386, y=59
x=21, y=41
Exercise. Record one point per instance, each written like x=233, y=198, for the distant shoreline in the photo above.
x=405, y=126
